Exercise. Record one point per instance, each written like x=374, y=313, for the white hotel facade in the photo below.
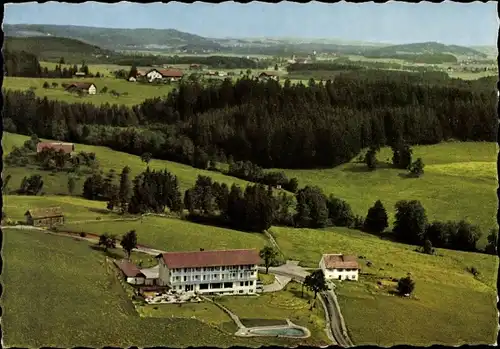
x=210, y=272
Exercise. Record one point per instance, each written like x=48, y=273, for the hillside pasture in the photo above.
x=173, y=234
x=136, y=93
x=450, y=306
x=83, y=303
x=110, y=159
x=459, y=183
x=75, y=209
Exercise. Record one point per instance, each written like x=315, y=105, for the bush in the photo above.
x=46, y=84
x=82, y=234
x=417, y=168
x=474, y=271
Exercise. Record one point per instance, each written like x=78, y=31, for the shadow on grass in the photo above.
x=109, y=253
x=297, y=292
x=214, y=221
x=361, y=167
x=102, y=211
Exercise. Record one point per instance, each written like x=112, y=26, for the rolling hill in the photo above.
x=425, y=48
x=50, y=47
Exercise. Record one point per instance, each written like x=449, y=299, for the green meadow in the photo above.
x=108, y=159
x=459, y=183
x=135, y=93
x=450, y=306
x=83, y=303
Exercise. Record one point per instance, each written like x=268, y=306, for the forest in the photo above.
x=320, y=124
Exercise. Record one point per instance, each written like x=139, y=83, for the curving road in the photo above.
x=337, y=327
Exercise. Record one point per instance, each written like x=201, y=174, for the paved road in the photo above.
x=338, y=330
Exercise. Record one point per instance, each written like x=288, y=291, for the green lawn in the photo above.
x=266, y=279
x=172, y=234
x=286, y=304
x=451, y=306
x=137, y=93
x=64, y=294
x=459, y=182
x=109, y=159
x=75, y=209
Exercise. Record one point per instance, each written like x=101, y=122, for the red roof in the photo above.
x=129, y=269
x=57, y=146
x=210, y=258
x=336, y=261
x=170, y=73
x=268, y=74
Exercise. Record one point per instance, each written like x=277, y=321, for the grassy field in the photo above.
x=103, y=69
x=172, y=234
x=82, y=302
x=451, y=305
x=109, y=159
x=136, y=93
x=459, y=182
x=286, y=304
x=266, y=279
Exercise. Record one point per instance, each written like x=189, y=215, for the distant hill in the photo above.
x=50, y=48
x=425, y=48
x=113, y=39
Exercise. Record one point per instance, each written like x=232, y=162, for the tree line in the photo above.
x=289, y=126
x=256, y=208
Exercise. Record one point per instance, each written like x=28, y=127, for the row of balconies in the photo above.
x=213, y=269
x=227, y=274
x=213, y=278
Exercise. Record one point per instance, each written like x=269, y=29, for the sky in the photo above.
x=392, y=22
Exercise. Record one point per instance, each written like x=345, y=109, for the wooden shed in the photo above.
x=46, y=217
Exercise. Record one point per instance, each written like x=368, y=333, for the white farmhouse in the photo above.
x=153, y=75
x=339, y=267
x=210, y=272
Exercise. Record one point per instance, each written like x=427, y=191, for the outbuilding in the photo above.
x=132, y=274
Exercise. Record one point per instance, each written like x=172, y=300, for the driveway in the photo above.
x=335, y=320
x=279, y=283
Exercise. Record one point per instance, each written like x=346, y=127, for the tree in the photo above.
x=71, y=185
x=125, y=189
x=411, y=221
x=104, y=89
x=108, y=241
x=55, y=84
x=312, y=210
x=406, y=286
x=491, y=247
x=146, y=158
x=292, y=185
x=339, y=212
x=376, y=220
x=428, y=247
x=371, y=158
x=268, y=255
x=402, y=154
x=276, y=67
x=46, y=85
x=129, y=242
x=6, y=183
x=31, y=185
x=61, y=61
x=417, y=168
x=133, y=71
x=316, y=282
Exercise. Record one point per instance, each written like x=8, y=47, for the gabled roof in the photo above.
x=47, y=212
x=338, y=261
x=210, y=258
x=265, y=73
x=170, y=73
x=129, y=269
x=57, y=146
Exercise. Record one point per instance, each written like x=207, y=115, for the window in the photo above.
x=246, y=283
x=223, y=268
x=198, y=269
x=241, y=283
x=353, y=277
x=241, y=275
x=241, y=291
x=204, y=277
x=185, y=278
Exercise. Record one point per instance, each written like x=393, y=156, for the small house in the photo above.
x=86, y=87
x=151, y=275
x=268, y=75
x=132, y=274
x=80, y=74
x=45, y=217
x=339, y=267
x=171, y=74
x=67, y=148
